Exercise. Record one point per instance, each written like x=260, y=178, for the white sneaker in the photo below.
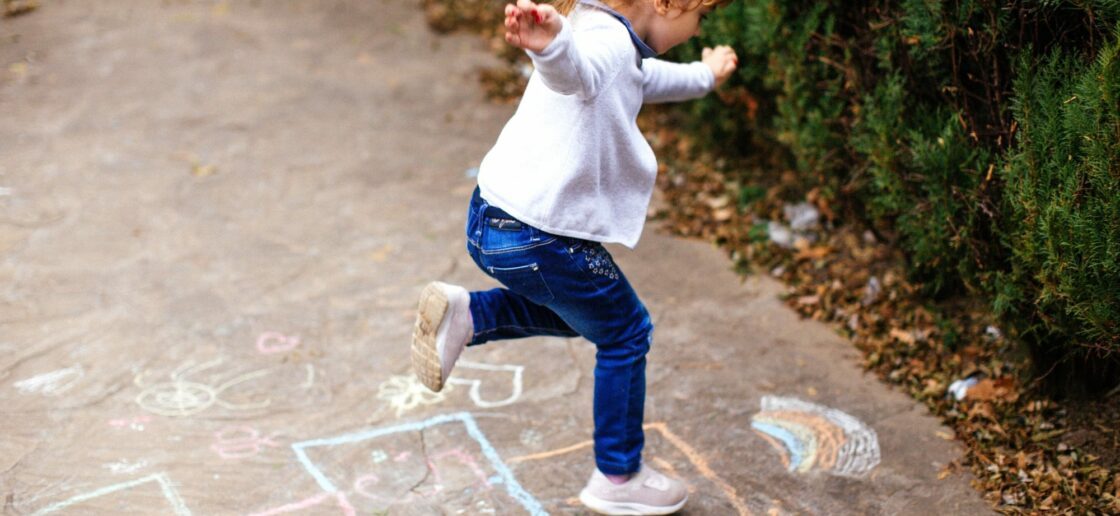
x=443, y=328
x=647, y=492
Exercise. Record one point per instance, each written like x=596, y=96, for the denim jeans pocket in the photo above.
x=500, y=236
x=526, y=280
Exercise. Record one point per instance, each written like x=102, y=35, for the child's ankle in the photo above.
x=617, y=479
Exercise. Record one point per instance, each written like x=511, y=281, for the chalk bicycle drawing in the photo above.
x=181, y=398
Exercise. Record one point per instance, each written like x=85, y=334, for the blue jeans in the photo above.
x=567, y=287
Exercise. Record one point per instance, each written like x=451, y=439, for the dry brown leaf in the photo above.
x=808, y=300
x=1002, y=389
x=814, y=253
x=902, y=335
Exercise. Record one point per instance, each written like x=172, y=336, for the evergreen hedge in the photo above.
x=979, y=136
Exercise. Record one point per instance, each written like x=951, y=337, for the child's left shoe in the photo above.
x=647, y=492
x=443, y=328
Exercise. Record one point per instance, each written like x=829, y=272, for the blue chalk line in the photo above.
x=512, y=487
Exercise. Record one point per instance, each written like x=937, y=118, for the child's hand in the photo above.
x=531, y=26
x=722, y=60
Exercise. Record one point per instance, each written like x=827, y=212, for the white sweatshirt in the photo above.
x=571, y=161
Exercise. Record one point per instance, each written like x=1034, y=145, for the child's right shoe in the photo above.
x=443, y=328
x=647, y=492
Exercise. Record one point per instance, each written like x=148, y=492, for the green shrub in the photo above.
x=900, y=114
x=1063, y=201
x=925, y=176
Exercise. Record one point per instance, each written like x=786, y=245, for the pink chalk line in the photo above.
x=286, y=343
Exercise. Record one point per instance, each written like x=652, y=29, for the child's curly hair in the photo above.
x=565, y=6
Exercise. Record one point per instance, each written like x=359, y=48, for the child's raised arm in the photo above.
x=531, y=26
x=567, y=65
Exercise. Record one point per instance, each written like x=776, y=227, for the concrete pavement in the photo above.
x=215, y=218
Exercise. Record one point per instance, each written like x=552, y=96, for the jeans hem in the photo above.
x=608, y=468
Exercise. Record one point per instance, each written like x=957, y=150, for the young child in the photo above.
x=569, y=172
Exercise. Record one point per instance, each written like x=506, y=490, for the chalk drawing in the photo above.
x=531, y=438
x=124, y=466
x=811, y=436
x=363, y=482
x=695, y=457
x=134, y=423
x=339, y=498
x=310, y=377
x=52, y=383
x=164, y=482
x=239, y=442
x=476, y=384
x=405, y=392
x=465, y=459
x=504, y=475
x=379, y=456
x=274, y=342
x=181, y=398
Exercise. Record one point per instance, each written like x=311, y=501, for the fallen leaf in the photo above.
x=808, y=300
x=988, y=390
x=814, y=253
x=902, y=336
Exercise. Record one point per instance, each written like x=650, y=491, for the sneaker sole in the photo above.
x=425, y=357
x=623, y=508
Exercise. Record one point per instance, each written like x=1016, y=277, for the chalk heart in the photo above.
x=501, y=378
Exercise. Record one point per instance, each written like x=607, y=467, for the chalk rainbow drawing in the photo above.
x=813, y=436
x=476, y=385
x=504, y=475
x=164, y=482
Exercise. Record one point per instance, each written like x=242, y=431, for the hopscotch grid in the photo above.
x=512, y=486
x=164, y=482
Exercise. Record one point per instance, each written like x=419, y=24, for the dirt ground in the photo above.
x=215, y=218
